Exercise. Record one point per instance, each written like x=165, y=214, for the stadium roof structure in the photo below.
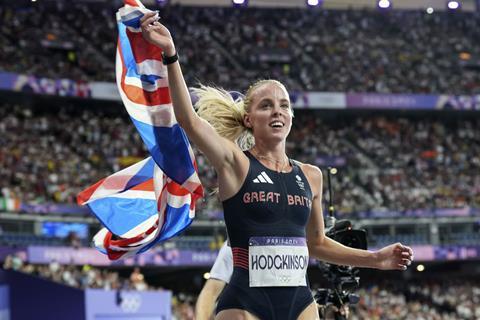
x=466, y=5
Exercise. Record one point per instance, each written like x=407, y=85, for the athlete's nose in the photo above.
x=277, y=110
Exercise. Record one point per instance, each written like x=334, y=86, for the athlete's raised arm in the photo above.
x=219, y=150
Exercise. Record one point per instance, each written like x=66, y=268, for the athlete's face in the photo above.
x=270, y=113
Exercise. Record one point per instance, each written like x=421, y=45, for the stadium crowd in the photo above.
x=323, y=50
x=87, y=276
x=79, y=277
x=390, y=164
x=427, y=163
x=409, y=300
x=446, y=300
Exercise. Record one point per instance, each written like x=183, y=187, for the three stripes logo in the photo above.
x=263, y=178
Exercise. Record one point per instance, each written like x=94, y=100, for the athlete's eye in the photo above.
x=265, y=105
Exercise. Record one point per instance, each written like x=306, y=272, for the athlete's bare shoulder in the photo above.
x=313, y=174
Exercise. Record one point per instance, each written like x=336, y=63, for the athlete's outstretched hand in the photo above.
x=157, y=34
x=394, y=257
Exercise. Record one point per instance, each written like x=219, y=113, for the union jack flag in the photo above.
x=154, y=199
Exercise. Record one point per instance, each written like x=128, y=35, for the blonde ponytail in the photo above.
x=225, y=114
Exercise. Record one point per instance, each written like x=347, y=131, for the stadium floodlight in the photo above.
x=384, y=4
x=313, y=3
x=239, y=2
x=453, y=5
x=430, y=10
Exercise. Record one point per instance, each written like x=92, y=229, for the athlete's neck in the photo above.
x=274, y=153
x=277, y=159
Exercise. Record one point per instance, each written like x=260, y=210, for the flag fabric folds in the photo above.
x=153, y=199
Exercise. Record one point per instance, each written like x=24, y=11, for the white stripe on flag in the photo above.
x=192, y=183
x=151, y=66
x=159, y=180
x=116, y=182
x=162, y=202
x=143, y=113
x=157, y=116
x=98, y=240
x=134, y=194
x=178, y=201
x=133, y=81
x=142, y=227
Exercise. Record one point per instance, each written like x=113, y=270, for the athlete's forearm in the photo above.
x=334, y=252
x=205, y=306
x=182, y=104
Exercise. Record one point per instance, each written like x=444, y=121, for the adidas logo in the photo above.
x=263, y=178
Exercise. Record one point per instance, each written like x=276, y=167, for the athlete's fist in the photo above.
x=156, y=33
x=394, y=257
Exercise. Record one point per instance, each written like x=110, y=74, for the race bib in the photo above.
x=277, y=261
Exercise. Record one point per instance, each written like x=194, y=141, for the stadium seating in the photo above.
x=327, y=50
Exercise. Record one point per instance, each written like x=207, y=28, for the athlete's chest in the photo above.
x=272, y=195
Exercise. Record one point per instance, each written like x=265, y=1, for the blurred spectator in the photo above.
x=137, y=280
x=183, y=311
x=73, y=240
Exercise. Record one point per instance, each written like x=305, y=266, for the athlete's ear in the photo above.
x=246, y=121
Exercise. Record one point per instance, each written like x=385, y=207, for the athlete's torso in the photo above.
x=266, y=223
x=269, y=203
